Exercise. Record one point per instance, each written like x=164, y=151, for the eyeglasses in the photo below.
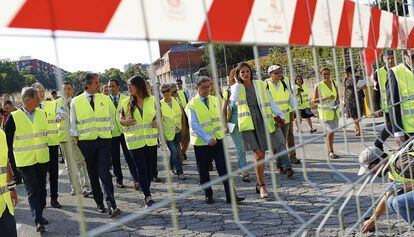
x=166, y=91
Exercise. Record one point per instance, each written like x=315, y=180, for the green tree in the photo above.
x=134, y=71
x=383, y=6
x=76, y=79
x=10, y=79
x=113, y=73
x=234, y=55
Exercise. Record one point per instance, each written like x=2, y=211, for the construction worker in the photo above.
x=282, y=95
x=8, y=196
x=53, y=142
x=26, y=132
x=399, y=197
x=207, y=136
x=141, y=132
x=91, y=125
x=183, y=96
x=328, y=107
x=380, y=78
x=171, y=119
x=118, y=138
x=70, y=150
x=400, y=95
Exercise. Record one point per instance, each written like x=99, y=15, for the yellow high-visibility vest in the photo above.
x=304, y=102
x=382, y=80
x=5, y=198
x=208, y=118
x=63, y=125
x=405, y=81
x=393, y=174
x=171, y=118
x=244, y=117
x=52, y=128
x=281, y=96
x=90, y=123
x=141, y=133
x=30, y=138
x=182, y=98
x=326, y=108
x=117, y=131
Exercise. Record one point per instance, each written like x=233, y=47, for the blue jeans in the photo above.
x=238, y=142
x=397, y=203
x=174, y=147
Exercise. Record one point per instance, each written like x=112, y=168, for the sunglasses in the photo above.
x=166, y=91
x=173, y=92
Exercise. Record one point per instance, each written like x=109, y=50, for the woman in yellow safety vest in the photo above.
x=302, y=95
x=230, y=113
x=327, y=107
x=172, y=113
x=141, y=132
x=257, y=112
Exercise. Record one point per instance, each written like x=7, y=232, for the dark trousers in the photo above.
x=17, y=176
x=53, y=171
x=203, y=155
x=385, y=133
x=174, y=147
x=116, y=142
x=97, y=155
x=8, y=224
x=143, y=158
x=34, y=178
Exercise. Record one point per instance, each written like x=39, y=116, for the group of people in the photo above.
x=90, y=129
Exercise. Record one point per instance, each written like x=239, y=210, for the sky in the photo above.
x=83, y=54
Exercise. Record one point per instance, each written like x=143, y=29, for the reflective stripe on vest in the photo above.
x=393, y=175
x=30, y=143
x=325, y=108
x=208, y=118
x=405, y=81
x=244, y=118
x=90, y=123
x=5, y=198
x=141, y=133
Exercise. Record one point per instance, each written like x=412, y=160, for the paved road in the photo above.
x=261, y=217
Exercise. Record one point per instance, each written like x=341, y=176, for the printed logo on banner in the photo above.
x=274, y=21
x=174, y=9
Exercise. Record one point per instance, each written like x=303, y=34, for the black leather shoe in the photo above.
x=40, y=228
x=209, y=200
x=86, y=193
x=101, y=209
x=149, y=203
x=18, y=181
x=114, y=212
x=120, y=184
x=44, y=221
x=238, y=200
x=55, y=203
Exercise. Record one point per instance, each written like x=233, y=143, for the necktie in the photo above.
x=115, y=102
x=205, y=100
x=92, y=103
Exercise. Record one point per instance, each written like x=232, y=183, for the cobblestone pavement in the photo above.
x=261, y=217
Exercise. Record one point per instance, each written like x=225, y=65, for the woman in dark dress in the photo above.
x=350, y=99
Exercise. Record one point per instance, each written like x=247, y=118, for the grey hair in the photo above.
x=202, y=79
x=28, y=93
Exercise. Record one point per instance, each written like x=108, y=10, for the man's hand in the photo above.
x=369, y=225
x=400, y=140
x=279, y=121
x=154, y=124
x=131, y=121
x=379, y=114
x=13, y=195
x=75, y=139
x=212, y=142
